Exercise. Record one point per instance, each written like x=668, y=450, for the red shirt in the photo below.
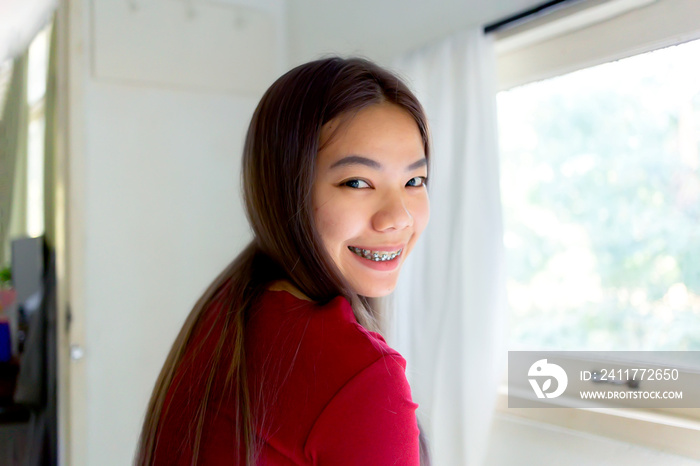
x=334, y=393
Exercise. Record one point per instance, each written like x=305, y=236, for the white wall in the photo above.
x=154, y=211
x=380, y=30
x=162, y=219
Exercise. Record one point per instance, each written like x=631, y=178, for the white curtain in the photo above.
x=20, y=22
x=450, y=302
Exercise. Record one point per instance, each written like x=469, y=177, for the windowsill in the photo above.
x=661, y=431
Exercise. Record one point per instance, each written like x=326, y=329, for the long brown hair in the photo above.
x=277, y=176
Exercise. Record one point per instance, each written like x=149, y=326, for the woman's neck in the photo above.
x=284, y=285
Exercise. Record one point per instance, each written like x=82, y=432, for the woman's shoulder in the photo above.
x=323, y=329
x=319, y=347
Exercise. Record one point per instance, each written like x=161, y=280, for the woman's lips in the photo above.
x=376, y=262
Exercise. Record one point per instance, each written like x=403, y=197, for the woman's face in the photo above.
x=369, y=195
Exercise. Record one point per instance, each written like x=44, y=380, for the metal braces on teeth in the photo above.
x=374, y=256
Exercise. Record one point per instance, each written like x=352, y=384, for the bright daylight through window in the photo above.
x=601, y=194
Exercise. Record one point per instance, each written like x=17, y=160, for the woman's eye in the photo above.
x=358, y=184
x=418, y=181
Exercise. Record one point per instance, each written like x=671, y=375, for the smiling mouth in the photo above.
x=376, y=256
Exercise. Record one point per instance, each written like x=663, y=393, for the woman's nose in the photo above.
x=393, y=213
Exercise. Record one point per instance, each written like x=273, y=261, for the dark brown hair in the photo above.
x=277, y=176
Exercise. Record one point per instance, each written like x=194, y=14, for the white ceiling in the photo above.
x=382, y=29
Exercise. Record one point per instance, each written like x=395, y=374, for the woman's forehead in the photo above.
x=379, y=127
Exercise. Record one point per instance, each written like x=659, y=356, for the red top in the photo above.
x=334, y=393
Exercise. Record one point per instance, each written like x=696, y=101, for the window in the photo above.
x=36, y=97
x=558, y=153
x=601, y=194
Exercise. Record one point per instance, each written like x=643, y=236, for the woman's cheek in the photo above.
x=328, y=217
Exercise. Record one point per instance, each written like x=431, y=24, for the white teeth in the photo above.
x=377, y=256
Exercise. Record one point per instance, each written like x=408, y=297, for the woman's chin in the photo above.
x=374, y=291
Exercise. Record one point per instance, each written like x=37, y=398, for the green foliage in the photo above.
x=626, y=197
x=613, y=172
x=5, y=277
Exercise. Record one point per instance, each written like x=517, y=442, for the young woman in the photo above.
x=282, y=360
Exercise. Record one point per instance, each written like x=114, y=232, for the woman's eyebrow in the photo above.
x=360, y=160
